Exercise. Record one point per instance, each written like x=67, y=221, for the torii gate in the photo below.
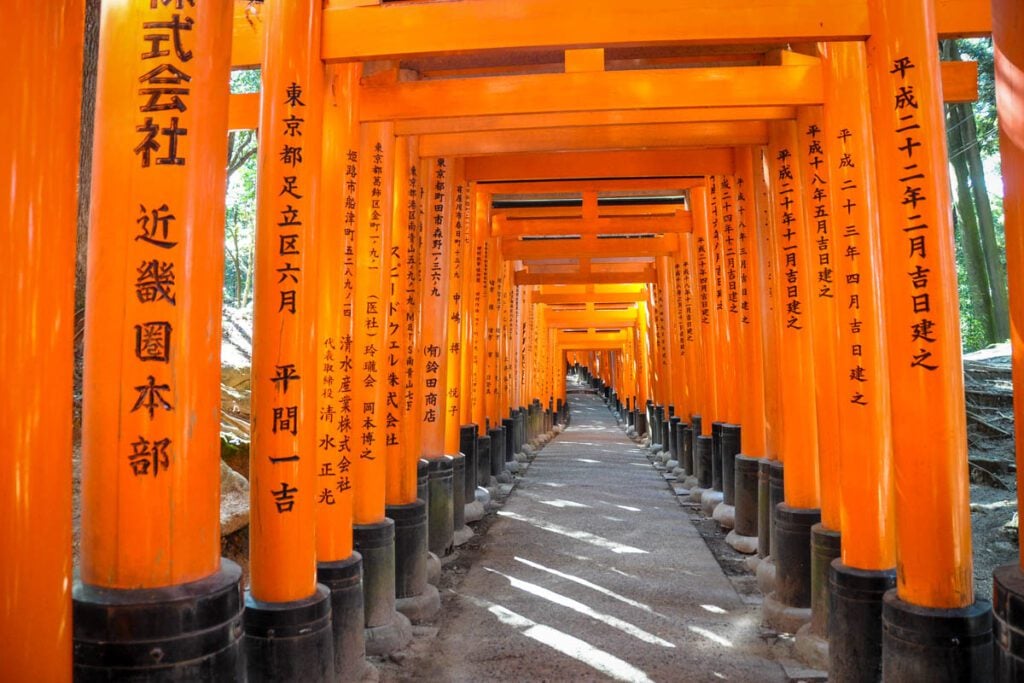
x=373, y=183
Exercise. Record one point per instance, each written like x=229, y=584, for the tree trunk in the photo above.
x=236, y=259
x=970, y=150
x=974, y=257
x=986, y=229
x=249, y=274
x=90, y=58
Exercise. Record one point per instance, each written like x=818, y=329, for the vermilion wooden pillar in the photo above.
x=151, y=413
x=933, y=605
x=749, y=248
x=439, y=184
x=866, y=569
x=339, y=567
x=283, y=456
x=820, y=226
x=334, y=321
x=374, y=533
x=37, y=309
x=819, y=191
x=706, y=319
x=788, y=606
x=415, y=597
x=1008, y=27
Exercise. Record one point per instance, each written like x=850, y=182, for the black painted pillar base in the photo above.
x=716, y=455
x=290, y=641
x=855, y=622
x=467, y=446
x=725, y=512
x=423, y=480
x=776, y=494
x=508, y=434
x=460, y=532
x=674, y=452
x=483, y=459
x=1008, y=613
x=640, y=420
x=812, y=640
x=1008, y=622
x=188, y=632
x=497, y=461
x=657, y=434
x=731, y=443
x=386, y=629
x=440, y=510
x=935, y=645
x=686, y=449
x=769, y=494
x=788, y=607
x=702, y=465
x=475, y=505
x=764, y=525
x=414, y=597
x=692, y=479
x=745, y=492
x=345, y=581
x=826, y=545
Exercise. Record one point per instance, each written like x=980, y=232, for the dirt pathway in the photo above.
x=592, y=571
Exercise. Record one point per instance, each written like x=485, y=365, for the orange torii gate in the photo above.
x=379, y=247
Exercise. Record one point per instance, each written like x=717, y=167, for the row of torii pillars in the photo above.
x=377, y=279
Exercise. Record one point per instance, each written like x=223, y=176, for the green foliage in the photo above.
x=973, y=335
x=245, y=81
x=972, y=328
x=240, y=214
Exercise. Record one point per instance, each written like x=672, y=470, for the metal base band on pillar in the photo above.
x=640, y=421
x=855, y=622
x=440, y=513
x=1008, y=622
x=935, y=645
x=386, y=629
x=187, y=632
x=812, y=638
x=345, y=581
x=414, y=597
x=290, y=641
x=789, y=605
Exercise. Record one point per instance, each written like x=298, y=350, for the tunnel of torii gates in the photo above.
x=732, y=219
